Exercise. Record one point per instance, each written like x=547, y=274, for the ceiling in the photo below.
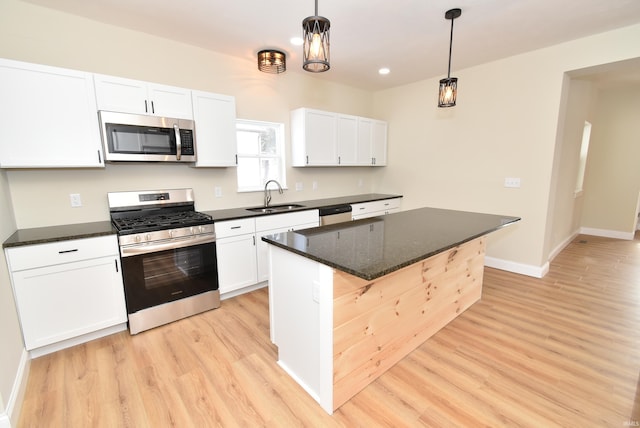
x=411, y=37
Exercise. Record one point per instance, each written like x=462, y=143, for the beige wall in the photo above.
x=505, y=125
x=565, y=206
x=612, y=181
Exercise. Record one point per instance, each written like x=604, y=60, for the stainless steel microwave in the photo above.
x=134, y=137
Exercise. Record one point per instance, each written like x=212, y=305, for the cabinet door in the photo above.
x=263, y=248
x=320, y=138
x=379, y=143
x=121, y=95
x=170, y=101
x=365, y=132
x=236, y=262
x=215, y=118
x=347, y=139
x=48, y=117
x=60, y=302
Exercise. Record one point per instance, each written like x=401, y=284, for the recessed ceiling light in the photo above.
x=384, y=71
x=297, y=41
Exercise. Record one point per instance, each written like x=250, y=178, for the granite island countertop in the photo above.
x=374, y=247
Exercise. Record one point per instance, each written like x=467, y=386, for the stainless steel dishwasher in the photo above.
x=335, y=214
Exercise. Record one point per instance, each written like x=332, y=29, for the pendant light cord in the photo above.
x=450, y=45
x=316, y=7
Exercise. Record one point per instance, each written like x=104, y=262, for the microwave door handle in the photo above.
x=178, y=142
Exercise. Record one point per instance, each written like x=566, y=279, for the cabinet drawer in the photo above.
x=385, y=205
x=234, y=227
x=40, y=255
x=285, y=220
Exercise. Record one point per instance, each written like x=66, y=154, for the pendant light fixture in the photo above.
x=449, y=87
x=272, y=61
x=316, y=43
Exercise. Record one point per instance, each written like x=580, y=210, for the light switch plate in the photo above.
x=513, y=182
x=75, y=200
x=218, y=191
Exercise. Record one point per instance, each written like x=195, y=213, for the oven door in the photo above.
x=157, y=277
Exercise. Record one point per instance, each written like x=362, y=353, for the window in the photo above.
x=260, y=154
x=584, y=150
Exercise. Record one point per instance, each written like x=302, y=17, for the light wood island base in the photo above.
x=336, y=333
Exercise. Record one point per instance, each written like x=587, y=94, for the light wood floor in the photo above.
x=559, y=351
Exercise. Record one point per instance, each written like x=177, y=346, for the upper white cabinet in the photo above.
x=313, y=138
x=215, y=118
x=134, y=96
x=320, y=138
x=48, y=117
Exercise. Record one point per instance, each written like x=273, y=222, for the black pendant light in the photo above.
x=449, y=87
x=272, y=61
x=316, y=43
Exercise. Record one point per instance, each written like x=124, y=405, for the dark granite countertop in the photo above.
x=374, y=247
x=237, y=213
x=42, y=235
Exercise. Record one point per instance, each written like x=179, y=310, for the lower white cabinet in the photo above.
x=273, y=224
x=67, y=289
x=242, y=255
x=236, y=254
x=375, y=208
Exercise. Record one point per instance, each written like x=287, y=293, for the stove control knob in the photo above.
x=148, y=236
x=171, y=234
x=137, y=238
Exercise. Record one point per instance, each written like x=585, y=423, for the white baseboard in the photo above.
x=616, y=234
x=234, y=293
x=562, y=246
x=519, y=268
x=14, y=404
x=48, y=349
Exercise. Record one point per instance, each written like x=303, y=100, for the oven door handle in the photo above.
x=168, y=244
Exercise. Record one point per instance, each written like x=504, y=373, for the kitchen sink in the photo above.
x=275, y=208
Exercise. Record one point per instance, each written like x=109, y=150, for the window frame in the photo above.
x=279, y=155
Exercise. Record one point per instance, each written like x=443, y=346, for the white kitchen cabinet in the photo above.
x=313, y=138
x=139, y=97
x=372, y=142
x=375, y=208
x=48, y=117
x=272, y=224
x=347, y=139
x=320, y=138
x=67, y=289
x=215, y=118
x=236, y=254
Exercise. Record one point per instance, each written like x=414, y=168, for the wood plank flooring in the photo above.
x=562, y=351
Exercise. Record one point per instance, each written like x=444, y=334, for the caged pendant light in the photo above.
x=272, y=61
x=316, y=43
x=449, y=87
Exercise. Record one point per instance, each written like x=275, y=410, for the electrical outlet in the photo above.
x=218, y=191
x=513, y=182
x=360, y=182
x=75, y=200
x=314, y=185
x=299, y=186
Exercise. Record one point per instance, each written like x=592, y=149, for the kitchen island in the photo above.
x=348, y=301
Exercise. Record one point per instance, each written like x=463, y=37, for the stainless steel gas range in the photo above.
x=168, y=252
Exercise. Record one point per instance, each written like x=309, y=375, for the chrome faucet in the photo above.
x=267, y=192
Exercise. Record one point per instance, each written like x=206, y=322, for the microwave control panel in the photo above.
x=186, y=139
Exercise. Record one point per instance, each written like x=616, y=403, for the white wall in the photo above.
x=612, y=180
x=505, y=125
